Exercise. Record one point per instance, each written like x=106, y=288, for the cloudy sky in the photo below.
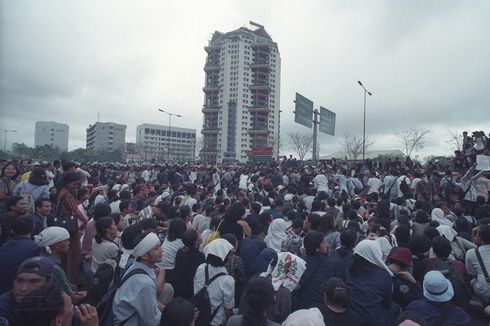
x=426, y=62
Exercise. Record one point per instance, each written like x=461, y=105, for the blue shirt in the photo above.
x=310, y=292
x=40, y=223
x=430, y=311
x=249, y=249
x=371, y=296
x=12, y=254
x=340, y=263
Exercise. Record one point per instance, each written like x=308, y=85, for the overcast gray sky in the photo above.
x=426, y=62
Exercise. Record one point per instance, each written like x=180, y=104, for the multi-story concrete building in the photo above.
x=167, y=144
x=106, y=136
x=51, y=133
x=241, y=95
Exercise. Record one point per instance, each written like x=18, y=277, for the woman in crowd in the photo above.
x=171, y=245
x=335, y=309
x=230, y=225
x=103, y=246
x=221, y=290
x=36, y=187
x=371, y=286
x=10, y=172
x=259, y=297
x=421, y=222
x=341, y=257
x=234, y=266
x=276, y=234
x=186, y=262
x=459, y=245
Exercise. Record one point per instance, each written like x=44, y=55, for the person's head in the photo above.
x=16, y=205
x=217, y=251
x=119, y=222
x=336, y=293
x=102, y=210
x=129, y=235
x=431, y=232
x=148, y=225
x=235, y=212
x=147, y=249
x=178, y=312
x=442, y=247
x=419, y=245
x=176, y=229
x=314, y=244
x=54, y=237
x=421, y=216
x=484, y=234
x=72, y=181
x=367, y=256
x=106, y=229
x=38, y=177
x=259, y=295
x=31, y=274
x=312, y=222
x=47, y=305
x=232, y=239
x=185, y=212
x=400, y=256
x=191, y=239
x=43, y=206
x=22, y=225
x=437, y=287
x=402, y=234
x=10, y=171
x=348, y=238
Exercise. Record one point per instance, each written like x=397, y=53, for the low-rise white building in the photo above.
x=52, y=133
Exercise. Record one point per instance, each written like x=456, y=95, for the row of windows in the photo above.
x=174, y=134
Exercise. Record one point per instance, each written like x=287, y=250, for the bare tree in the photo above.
x=455, y=140
x=300, y=143
x=412, y=139
x=351, y=145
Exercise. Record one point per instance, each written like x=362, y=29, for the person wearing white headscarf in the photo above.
x=136, y=300
x=277, y=233
x=371, y=285
x=222, y=290
x=438, y=215
x=51, y=235
x=459, y=245
x=305, y=317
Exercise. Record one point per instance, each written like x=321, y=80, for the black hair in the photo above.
x=441, y=246
x=235, y=212
x=178, y=312
x=431, y=232
x=215, y=261
x=348, y=240
x=259, y=295
x=312, y=242
x=336, y=292
x=419, y=244
x=331, y=201
x=67, y=165
x=184, y=211
x=117, y=218
x=402, y=235
x=297, y=223
x=189, y=238
x=41, y=305
x=12, y=201
x=123, y=205
x=81, y=192
x=124, y=195
x=410, y=315
x=484, y=233
x=176, y=229
x=316, y=205
x=421, y=216
x=101, y=226
x=315, y=220
x=231, y=238
x=16, y=170
x=39, y=202
x=129, y=235
x=213, y=225
x=22, y=225
x=148, y=223
x=101, y=210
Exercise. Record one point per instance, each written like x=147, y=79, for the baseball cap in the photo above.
x=37, y=265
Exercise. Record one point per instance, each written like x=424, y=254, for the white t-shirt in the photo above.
x=321, y=183
x=374, y=185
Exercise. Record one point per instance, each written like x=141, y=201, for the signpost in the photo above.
x=303, y=112
x=327, y=121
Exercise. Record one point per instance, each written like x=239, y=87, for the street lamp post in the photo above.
x=364, y=124
x=169, y=129
x=5, y=138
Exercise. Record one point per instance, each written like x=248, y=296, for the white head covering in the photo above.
x=447, y=232
x=51, y=235
x=371, y=251
x=437, y=214
x=277, y=233
x=219, y=248
x=287, y=272
x=305, y=317
x=149, y=242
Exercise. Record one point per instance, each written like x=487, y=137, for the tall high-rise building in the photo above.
x=51, y=133
x=241, y=95
x=106, y=136
x=165, y=143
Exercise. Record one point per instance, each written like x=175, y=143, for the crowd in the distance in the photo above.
x=363, y=243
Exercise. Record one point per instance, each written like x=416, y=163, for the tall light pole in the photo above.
x=169, y=129
x=5, y=138
x=364, y=124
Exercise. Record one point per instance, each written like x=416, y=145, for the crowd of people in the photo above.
x=337, y=243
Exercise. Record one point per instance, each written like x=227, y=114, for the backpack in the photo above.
x=28, y=199
x=462, y=295
x=107, y=274
x=104, y=308
x=404, y=188
x=213, y=236
x=202, y=303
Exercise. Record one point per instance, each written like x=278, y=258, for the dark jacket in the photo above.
x=249, y=249
x=310, y=291
x=231, y=227
x=186, y=263
x=431, y=311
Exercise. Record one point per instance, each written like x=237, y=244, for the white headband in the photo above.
x=51, y=235
x=145, y=245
